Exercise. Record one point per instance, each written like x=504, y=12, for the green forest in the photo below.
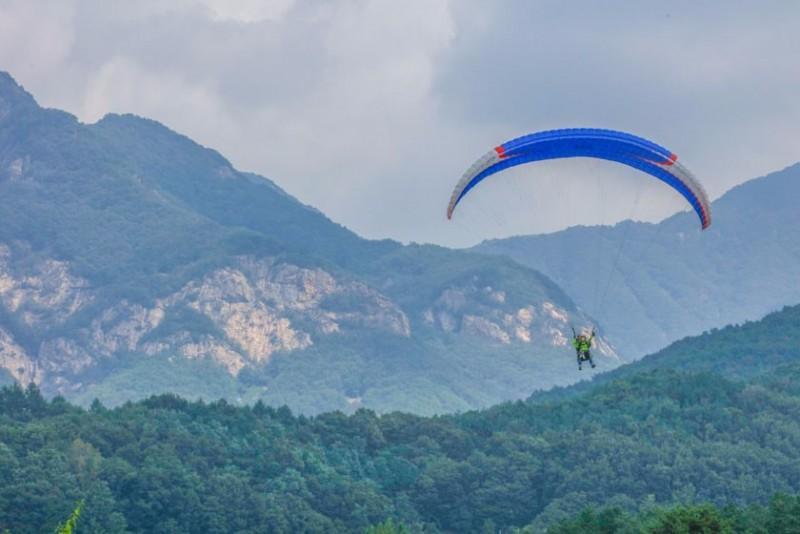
x=715, y=450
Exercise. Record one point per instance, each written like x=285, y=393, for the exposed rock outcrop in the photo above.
x=16, y=361
x=254, y=306
x=486, y=312
x=45, y=292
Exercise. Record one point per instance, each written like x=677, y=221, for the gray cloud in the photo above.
x=370, y=110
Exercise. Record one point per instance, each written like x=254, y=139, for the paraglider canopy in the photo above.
x=611, y=145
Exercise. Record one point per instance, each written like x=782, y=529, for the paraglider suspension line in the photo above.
x=624, y=240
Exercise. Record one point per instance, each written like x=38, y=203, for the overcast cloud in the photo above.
x=371, y=110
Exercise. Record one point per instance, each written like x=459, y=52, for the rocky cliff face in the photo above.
x=484, y=312
x=249, y=311
x=255, y=307
x=15, y=360
x=42, y=293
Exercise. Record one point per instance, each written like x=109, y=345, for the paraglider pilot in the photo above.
x=583, y=344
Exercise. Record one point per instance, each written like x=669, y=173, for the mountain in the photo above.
x=669, y=280
x=135, y=261
x=654, y=438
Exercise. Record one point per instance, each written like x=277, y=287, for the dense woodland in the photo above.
x=629, y=447
x=781, y=515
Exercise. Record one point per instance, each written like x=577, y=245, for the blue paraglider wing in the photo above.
x=610, y=145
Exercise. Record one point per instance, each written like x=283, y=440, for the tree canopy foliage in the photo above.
x=629, y=447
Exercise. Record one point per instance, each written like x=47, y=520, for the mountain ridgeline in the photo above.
x=670, y=280
x=668, y=434
x=135, y=261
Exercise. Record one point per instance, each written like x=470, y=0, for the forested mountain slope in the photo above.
x=135, y=261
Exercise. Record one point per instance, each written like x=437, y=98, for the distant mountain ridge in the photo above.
x=671, y=280
x=135, y=261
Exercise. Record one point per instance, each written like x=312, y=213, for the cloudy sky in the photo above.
x=371, y=110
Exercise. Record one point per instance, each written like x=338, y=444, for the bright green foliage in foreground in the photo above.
x=168, y=465
x=71, y=523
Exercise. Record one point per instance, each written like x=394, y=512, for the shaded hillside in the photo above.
x=672, y=280
x=134, y=261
